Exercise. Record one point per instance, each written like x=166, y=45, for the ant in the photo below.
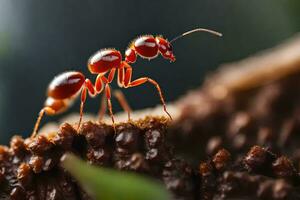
x=65, y=87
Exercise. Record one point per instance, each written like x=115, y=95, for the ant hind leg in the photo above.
x=44, y=110
x=83, y=98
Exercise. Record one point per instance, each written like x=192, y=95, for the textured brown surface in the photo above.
x=261, y=130
x=237, y=141
x=243, y=146
x=30, y=168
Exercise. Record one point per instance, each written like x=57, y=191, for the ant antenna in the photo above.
x=196, y=30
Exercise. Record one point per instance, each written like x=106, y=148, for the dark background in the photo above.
x=39, y=39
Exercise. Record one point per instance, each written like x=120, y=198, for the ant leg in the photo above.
x=99, y=82
x=108, y=96
x=127, y=77
x=51, y=107
x=111, y=75
x=140, y=81
x=121, y=77
x=88, y=86
x=123, y=102
x=121, y=99
x=118, y=94
x=83, y=98
x=128, y=83
x=48, y=110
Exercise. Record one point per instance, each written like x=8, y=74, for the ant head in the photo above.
x=165, y=48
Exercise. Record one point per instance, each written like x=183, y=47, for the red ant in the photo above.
x=64, y=88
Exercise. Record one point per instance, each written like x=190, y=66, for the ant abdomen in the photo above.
x=66, y=85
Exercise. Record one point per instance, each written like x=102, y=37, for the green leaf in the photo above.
x=108, y=184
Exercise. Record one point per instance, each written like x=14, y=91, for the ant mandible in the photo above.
x=64, y=88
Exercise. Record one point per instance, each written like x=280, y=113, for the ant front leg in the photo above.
x=118, y=94
x=128, y=83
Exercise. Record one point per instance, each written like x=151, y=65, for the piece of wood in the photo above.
x=259, y=69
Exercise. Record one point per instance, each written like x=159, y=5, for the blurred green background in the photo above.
x=39, y=39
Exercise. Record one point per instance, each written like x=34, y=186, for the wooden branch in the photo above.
x=257, y=70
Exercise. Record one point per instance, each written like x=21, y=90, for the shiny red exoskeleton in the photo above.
x=149, y=47
x=65, y=87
